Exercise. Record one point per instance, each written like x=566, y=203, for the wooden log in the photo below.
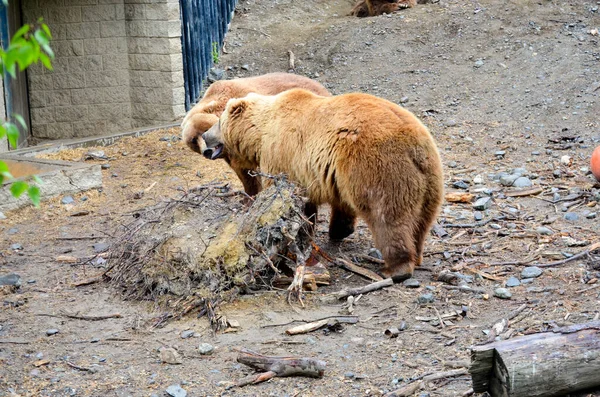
x=554, y=363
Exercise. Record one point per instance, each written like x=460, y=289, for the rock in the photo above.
x=531, y=272
x=591, y=215
x=460, y=185
x=571, y=216
x=187, y=334
x=105, y=166
x=502, y=293
x=100, y=247
x=508, y=180
x=571, y=242
x=482, y=204
x=247, y=67
x=13, y=230
x=2, y=216
x=349, y=375
x=522, y=182
x=478, y=63
x=67, y=200
x=477, y=215
x=16, y=247
x=12, y=279
x=52, y=331
x=95, y=155
x=404, y=99
x=426, y=298
x=512, y=282
x=452, y=164
x=557, y=174
x=544, y=231
x=176, y=391
x=450, y=123
x=411, y=283
x=478, y=180
x=500, y=154
x=205, y=348
x=566, y=160
x=375, y=253
x=215, y=74
x=169, y=355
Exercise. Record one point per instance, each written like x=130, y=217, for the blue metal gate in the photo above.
x=204, y=24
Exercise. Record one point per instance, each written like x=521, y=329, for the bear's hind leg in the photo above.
x=341, y=224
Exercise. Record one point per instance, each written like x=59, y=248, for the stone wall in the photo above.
x=118, y=66
x=3, y=141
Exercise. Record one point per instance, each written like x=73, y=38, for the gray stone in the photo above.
x=13, y=230
x=477, y=215
x=500, y=153
x=215, y=74
x=460, y=185
x=426, y=298
x=100, y=247
x=508, y=180
x=478, y=63
x=482, y=204
x=512, y=282
x=67, y=200
x=247, y=67
x=52, y=331
x=105, y=166
x=375, y=253
x=404, y=99
x=531, y=272
x=11, y=279
x=187, y=334
x=452, y=164
x=349, y=375
x=557, y=174
x=522, y=182
x=502, y=293
x=411, y=283
x=450, y=123
x=527, y=281
x=591, y=215
x=16, y=247
x=206, y=348
x=176, y=391
x=571, y=216
x=544, y=231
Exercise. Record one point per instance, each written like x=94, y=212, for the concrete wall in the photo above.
x=3, y=141
x=116, y=67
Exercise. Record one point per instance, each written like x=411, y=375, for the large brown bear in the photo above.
x=363, y=155
x=371, y=8
x=206, y=112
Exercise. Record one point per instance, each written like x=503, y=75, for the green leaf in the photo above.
x=48, y=50
x=12, y=133
x=18, y=188
x=2, y=131
x=19, y=33
x=20, y=119
x=41, y=37
x=46, y=61
x=34, y=195
x=46, y=29
x=37, y=179
x=3, y=167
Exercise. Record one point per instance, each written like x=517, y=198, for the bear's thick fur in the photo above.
x=371, y=8
x=207, y=111
x=363, y=155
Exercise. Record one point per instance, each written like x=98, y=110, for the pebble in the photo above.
x=67, y=200
x=187, y=334
x=591, y=215
x=531, y=272
x=452, y=164
x=502, y=293
x=566, y=160
x=16, y=247
x=512, y=282
x=105, y=166
x=508, y=180
x=52, y=331
x=215, y=74
x=478, y=63
x=522, y=182
x=450, y=123
x=100, y=247
x=13, y=230
x=11, y=279
x=478, y=180
x=176, y=391
x=404, y=99
x=477, y=215
x=500, y=153
x=544, y=231
x=571, y=216
x=205, y=348
x=557, y=174
x=482, y=204
x=426, y=298
x=375, y=253
x=460, y=185
x=169, y=355
x=349, y=375
x=411, y=283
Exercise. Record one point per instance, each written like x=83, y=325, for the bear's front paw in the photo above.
x=397, y=274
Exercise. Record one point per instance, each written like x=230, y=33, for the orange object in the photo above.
x=595, y=163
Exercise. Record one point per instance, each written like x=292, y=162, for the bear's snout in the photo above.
x=207, y=153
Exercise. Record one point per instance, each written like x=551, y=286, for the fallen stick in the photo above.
x=14, y=342
x=388, y=282
x=592, y=247
x=91, y=318
x=278, y=366
x=444, y=316
x=523, y=193
x=371, y=259
x=305, y=328
x=501, y=325
x=351, y=267
x=77, y=367
x=464, y=288
x=411, y=388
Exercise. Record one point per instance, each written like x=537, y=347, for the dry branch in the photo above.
x=351, y=267
x=388, y=282
x=554, y=363
x=580, y=255
x=411, y=388
x=313, y=326
x=273, y=366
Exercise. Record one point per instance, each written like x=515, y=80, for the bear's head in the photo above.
x=214, y=139
x=194, y=127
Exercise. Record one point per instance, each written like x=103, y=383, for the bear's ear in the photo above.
x=237, y=107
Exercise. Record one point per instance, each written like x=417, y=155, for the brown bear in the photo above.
x=207, y=111
x=363, y=155
x=371, y=8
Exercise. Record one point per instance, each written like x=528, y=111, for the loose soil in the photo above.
x=521, y=78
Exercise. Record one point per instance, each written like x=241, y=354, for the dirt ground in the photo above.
x=505, y=87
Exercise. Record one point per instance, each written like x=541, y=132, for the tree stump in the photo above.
x=554, y=363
